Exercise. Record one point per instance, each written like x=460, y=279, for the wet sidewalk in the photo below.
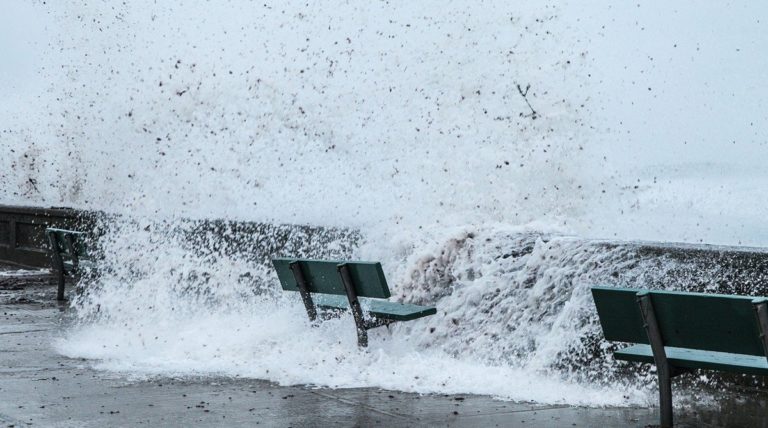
x=38, y=387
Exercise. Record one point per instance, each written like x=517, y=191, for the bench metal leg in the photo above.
x=663, y=368
x=58, y=266
x=665, y=398
x=60, y=290
x=362, y=336
x=301, y=282
x=354, y=305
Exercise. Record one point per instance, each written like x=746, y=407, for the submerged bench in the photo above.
x=69, y=254
x=681, y=331
x=346, y=285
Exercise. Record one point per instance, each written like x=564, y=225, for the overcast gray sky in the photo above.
x=22, y=41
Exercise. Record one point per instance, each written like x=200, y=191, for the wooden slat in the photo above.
x=709, y=322
x=78, y=239
x=619, y=314
x=712, y=322
x=378, y=308
x=322, y=277
x=698, y=359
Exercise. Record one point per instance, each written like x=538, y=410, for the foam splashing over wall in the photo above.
x=514, y=319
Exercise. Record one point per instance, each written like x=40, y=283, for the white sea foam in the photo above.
x=277, y=343
x=168, y=311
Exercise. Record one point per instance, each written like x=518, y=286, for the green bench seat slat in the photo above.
x=712, y=322
x=378, y=308
x=696, y=359
x=323, y=277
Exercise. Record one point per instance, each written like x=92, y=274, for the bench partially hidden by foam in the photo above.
x=333, y=286
x=683, y=331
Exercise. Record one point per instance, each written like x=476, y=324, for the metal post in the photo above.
x=761, y=311
x=354, y=304
x=58, y=265
x=301, y=282
x=663, y=368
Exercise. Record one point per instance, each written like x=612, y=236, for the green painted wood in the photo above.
x=619, y=314
x=78, y=239
x=712, y=322
x=698, y=359
x=378, y=308
x=323, y=277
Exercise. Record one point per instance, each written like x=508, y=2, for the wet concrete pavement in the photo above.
x=38, y=387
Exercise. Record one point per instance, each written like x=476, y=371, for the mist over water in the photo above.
x=450, y=135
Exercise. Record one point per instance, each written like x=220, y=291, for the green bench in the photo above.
x=681, y=331
x=334, y=286
x=69, y=254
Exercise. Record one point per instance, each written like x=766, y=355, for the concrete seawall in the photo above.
x=742, y=270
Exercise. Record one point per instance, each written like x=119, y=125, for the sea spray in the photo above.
x=513, y=303
x=344, y=115
x=435, y=130
x=613, y=121
x=514, y=319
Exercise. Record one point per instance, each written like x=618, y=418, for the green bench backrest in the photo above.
x=323, y=277
x=57, y=238
x=712, y=322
